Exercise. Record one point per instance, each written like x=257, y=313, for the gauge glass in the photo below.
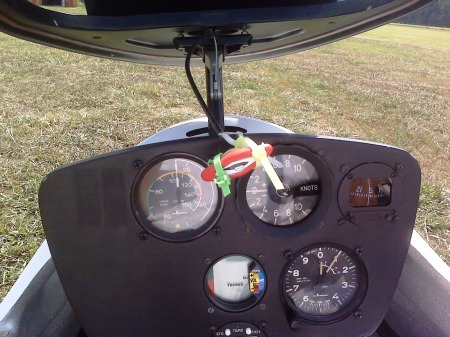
x=324, y=280
x=173, y=197
x=370, y=192
x=291, y=205
x=235, y=282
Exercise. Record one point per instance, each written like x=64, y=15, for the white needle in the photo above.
x=334, y=261
x=176, y=175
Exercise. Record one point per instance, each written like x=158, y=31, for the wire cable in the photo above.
x=187, y=66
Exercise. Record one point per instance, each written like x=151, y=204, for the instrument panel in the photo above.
x=145, y=247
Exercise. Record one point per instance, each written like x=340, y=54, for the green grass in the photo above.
x=411, y=35
x=389, y=85
x=80, y=10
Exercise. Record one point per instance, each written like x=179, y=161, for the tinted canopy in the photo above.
x=144, y=31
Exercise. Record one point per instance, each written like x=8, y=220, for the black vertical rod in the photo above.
x=214, y=86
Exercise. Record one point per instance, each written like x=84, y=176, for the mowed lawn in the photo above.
x=390, y=85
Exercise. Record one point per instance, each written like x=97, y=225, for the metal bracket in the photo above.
x=213, y=48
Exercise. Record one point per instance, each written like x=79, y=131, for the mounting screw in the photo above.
x=261, y=256
x=143, y=236
x=358, y=250
x=217, y=230
x=295, y=324
x=288, y=254
x=207, y=260
x=262, y=306
x=351, y=218
x=342, y=222
x=399, y=167
x=349, y=176
x=210, y=310
x=358, y=314
x=345, y=169
x=137, y=164
x=263, y=325
x=392, y=218
x=212, y=329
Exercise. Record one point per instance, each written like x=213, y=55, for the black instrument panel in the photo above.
x=143, y=247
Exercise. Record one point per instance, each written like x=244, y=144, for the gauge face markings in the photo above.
x=286, y=207
x=174, y=199
x=185, y=187
x=322, y=281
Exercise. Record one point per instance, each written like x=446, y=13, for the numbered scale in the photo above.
x=301, y=194
x=324, y=282
x=172, y=202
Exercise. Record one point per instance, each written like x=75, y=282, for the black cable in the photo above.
x=187, y=66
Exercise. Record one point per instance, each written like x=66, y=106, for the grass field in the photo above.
x=390, y=85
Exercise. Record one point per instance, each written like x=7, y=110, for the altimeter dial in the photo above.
x=324, y=282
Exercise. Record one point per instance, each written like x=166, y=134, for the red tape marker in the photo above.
x=236, y=163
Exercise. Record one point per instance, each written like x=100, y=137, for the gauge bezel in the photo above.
x=347, y=309
x=234, y=307
x=306, y=223
x=376, y=214
x=147, y=225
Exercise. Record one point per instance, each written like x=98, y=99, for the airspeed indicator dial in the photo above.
x=173, y=202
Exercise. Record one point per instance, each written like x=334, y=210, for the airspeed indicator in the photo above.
x=173, y=201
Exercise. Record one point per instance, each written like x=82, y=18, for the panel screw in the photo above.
x=262, y=306
x=137, y=164
x=261, y=256
x=344, y=169
x=263, y=325
x=212, y=329
x=217, y=230
x=392, y=218
x=288, y=255
x=342, y=222
x=295, y=324
x=399, y=167
x=349, y=176
x=207, y=260
x=358, y=314
x=358, y=250
x=143, y=236
x=393, y=174
x=210, y=310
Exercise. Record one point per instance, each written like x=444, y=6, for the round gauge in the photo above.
x=302, y=190
x=324, y=282
x=173, y=202
x=235, y=282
